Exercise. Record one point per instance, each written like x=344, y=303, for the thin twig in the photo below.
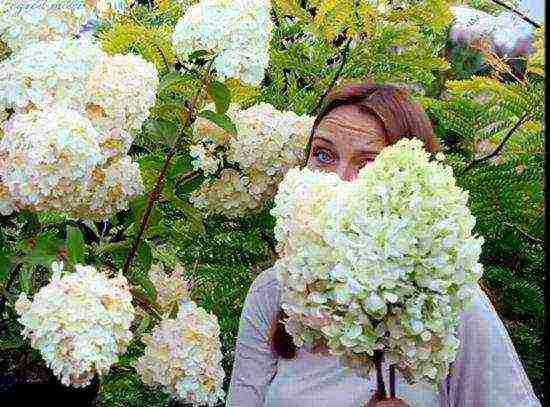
x=500, y=146
x=322, y=99
x=524, y=233
x=155, y=194
x=518, y=13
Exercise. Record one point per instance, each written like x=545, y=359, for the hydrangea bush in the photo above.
x=385, y=262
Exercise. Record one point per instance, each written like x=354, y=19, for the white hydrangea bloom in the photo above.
x=110, y=191
x=183, y=356
x=23, y=22
x=120, y=92
x=43, y=73
x=267, y=144
x=47, y=157
x=386, y=261
x=80, y=322
x=237, y=32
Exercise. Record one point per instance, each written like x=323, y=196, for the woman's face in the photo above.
x=345, y=140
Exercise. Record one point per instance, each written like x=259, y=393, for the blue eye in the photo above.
x=323, y=156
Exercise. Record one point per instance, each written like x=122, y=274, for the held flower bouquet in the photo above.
x=382, y=263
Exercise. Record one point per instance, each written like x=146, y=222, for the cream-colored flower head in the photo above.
x=387, y=261
x=23, y=22
x=171, y=288
x=183, y=357
x=110, y=191
x=120, y=92
x=238, y=32
x=268, y=143
x=79, y=322
x=47, y=158
x=48, y=72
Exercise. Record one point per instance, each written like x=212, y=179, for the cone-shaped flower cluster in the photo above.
x=268, y=143
x=80, y=322
x=386, y=261
x=183, y=356
x=236, y=31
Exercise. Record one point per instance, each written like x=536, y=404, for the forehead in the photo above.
x=351, y=127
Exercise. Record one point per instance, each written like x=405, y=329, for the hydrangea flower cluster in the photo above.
x=171, y=288
x=28, y=21
x=243, y=170
x=238, y=32
x=76, y=112
x=46, y=72
x=120, y=93
x=183, y=356
x=111, y=189
x=80, y=322
x=385, y=262
x=47, y=157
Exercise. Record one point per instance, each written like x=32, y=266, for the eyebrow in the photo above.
x=331, y=143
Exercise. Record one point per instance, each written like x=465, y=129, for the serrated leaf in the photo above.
x=192, y=214
x=43, y=250
x=221, y=96
x=144, y=324
x=138, y=207
x=76, y=247
x=170, y=79
x=145, y=255
x=221, y=120
x=147, y=286
x=161, y=131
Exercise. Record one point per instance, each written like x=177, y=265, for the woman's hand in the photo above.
x=385, y=403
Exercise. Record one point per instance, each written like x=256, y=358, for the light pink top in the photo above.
x=487, y=371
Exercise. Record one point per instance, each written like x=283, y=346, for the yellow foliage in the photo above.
x=535, y=64
x=152, y=43
x=242, y=94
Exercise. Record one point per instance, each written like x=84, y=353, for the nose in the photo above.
x=346, y=171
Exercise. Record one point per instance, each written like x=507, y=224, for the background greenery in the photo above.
x=468, y=95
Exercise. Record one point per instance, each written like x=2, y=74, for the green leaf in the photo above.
x=25, y=277
x=144, y=324
x=221, y=95
x=161, y=131
x=200, y=54
x=138, y=207
x=148, y=287
x=220, y=119
x=145, y=255
x=43, y=250
x=169, y=80
x=76, y=247
x=193, y=215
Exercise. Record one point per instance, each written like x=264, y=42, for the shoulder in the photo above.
x=266, y=282
x=263, y=298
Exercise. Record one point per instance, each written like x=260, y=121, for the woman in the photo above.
x=268, y=371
